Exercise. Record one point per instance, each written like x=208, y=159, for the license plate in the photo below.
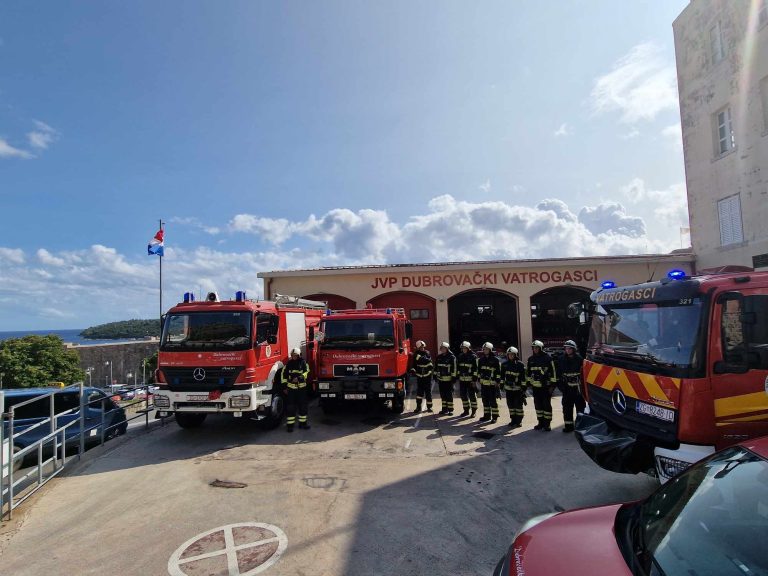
x=197, y=398
x=355, y=396
x=655, y=411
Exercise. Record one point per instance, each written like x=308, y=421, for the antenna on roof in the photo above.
x=654, y=272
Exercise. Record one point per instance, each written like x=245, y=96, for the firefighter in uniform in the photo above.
x=489, y=374
x=295, y=374
x=541, y=377
x=467, y=369
x=422, y=367
x=569, y=371
x=445, y=372
x=513, y=379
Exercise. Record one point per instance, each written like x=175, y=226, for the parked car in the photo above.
x=126, y=394
x=64, y=400
x=711, y=519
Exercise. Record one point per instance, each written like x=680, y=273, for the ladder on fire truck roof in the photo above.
x=364, y=311
x=295, y=301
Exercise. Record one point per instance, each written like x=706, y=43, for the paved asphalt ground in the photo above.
x=361, y=493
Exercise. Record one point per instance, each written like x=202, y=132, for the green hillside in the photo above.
x=123, y=329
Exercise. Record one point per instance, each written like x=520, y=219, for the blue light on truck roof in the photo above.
x=608, y=284
x=676, y=274
x=240, y=296
x=189, y=297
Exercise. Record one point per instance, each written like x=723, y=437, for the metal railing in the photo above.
x=17, y=485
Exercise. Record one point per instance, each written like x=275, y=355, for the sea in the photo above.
x=71, y=336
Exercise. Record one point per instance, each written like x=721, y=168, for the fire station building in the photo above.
x=508, y=303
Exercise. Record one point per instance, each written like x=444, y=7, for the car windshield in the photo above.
x=655, y=333
x=358, y=333
x=207, y=331
x=712, y=519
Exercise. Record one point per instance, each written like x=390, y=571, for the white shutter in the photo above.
x=729, y=214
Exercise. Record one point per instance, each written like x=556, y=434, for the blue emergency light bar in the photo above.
x=189, y=297
x=676, y=274
x=608, y=284
x=240, y=296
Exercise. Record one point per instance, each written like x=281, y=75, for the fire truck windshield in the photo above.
x=658, y=333
x=207, y=331
x=358, y=333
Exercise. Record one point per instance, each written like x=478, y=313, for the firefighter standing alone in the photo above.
x=445, y=372
x=542, y=378
x=467, y=370
x=423, y=368
x=513, y=380
x=294, y=378
x=569, y=371
x=489, y=374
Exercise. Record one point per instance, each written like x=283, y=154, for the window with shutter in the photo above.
x=729, y=214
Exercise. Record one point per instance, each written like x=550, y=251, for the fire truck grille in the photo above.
x=201, y=378
x=355, y=370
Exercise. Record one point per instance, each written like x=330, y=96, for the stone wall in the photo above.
x=126, y=358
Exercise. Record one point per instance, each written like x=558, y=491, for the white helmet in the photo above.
x=512, y=350
x=420, y=344
x=570, y=344
x=466, y=344
x=538, y=344
x=445, y=345
x=296, y=351
x=488, y=346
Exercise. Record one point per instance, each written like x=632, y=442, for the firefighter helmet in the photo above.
x=488, y=346
x=420, y=344
x=466, y=344
x=538, y=344
x=445, y=345
x=512, y=350
x=296, y=351
x=570, y=344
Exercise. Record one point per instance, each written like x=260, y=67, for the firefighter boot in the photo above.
x=418, y=407
x=539, y=426
x=545, y=427
x=289, y=428
x=473, y=413
x=304, y=425
x=465, y=413
x=568, y=428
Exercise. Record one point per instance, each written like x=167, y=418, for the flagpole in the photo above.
x=161, y=286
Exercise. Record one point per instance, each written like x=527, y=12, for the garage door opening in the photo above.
x=549, y=317
x=419, y=309
x=483, y=316
x=334, y=301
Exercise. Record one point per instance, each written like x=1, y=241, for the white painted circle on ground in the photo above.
x=241, y=549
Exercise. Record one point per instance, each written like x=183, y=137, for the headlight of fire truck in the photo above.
x=389, y=385
x=240, y=401
x=162, y=402
x=323, y=385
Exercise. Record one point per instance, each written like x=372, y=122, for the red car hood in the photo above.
x=576, y=543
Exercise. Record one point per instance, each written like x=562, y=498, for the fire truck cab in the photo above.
x=363, y=355
x=675, y=369
x=227, y=356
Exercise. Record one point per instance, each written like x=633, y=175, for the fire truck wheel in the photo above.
x=276, y=412
x=190, y=419
x=328, y=407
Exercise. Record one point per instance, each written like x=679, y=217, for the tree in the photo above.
x=150, y=365
x=35, y=361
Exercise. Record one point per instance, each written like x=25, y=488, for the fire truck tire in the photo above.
x=190, y=419
x=328, y=407
x=398, y=405
x=275, y=413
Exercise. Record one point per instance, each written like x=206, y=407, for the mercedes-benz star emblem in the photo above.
x=198, y=374
x=619, y=401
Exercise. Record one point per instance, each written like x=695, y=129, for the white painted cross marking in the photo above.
x=246, y=549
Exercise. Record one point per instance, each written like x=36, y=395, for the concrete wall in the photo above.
x=521, y=279
x=705, y=87
x=125, y=358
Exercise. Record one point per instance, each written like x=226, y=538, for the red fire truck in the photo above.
x=227, y=356
x=363, y=355
x=675, y=369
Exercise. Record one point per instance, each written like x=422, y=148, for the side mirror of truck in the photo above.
x=722, y=367
x=408, y=330
x=271, y=339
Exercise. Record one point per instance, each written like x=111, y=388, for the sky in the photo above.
x=279, y=135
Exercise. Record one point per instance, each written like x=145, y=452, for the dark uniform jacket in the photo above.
x=569, y=370
x=422, y=363
x=488, y=369
x=445, y=367
x=513, y=375
x=541, y=370
x=295, y=373
x=467, y=366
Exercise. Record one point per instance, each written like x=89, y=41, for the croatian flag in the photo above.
x=155, y=245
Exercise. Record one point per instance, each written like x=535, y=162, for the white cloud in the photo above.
x=43, y=135
x=673, y=134
x=631, y=134
x=670, y=206
x=12, y=255
x=641, y=85
x=272, y=230
x=8, y=151
x=564, y=130
x=485, y=186
x=49, y=259
x=195, y=223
